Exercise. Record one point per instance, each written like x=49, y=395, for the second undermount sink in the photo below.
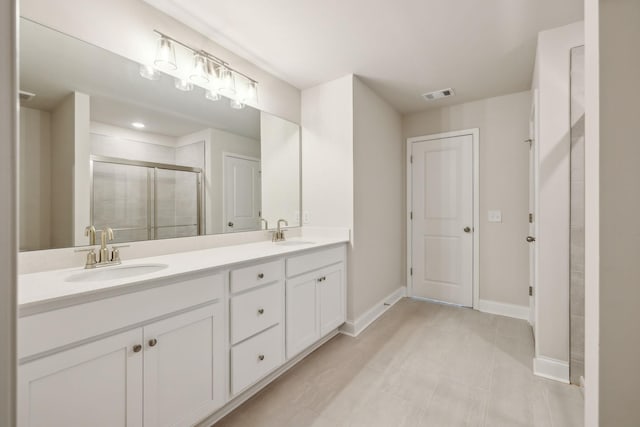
x=119, y=272
x=293, y=242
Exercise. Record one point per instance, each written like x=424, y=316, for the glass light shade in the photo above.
x=235, y=104
x=183, y=85
x=251, y=95
x=149, y=72
x=200, y=73
x=226, y=82
x=165, y=55
x=212, y=95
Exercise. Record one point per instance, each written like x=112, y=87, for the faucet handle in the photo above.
x=115, y=253
x=91, y=257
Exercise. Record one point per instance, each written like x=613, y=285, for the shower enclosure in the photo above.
x=144, y=200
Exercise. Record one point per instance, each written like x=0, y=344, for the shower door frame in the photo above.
x=152, y=176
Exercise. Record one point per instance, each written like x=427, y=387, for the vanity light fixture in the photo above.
x=207, y=71
x=200, y=74
x=183, y=85
x=149, y=72
x=166, y=54
x=212, y=95
x=138, y=125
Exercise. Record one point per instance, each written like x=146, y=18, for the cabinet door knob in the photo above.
x=261, y=357
x=137, y=348
x=531, y=239
x=261, y=276
x=319, y=279
x=467, y=230
x=230, y=224
x=261, y=311
x=153, y=342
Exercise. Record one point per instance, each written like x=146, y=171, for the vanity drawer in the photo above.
x=57, y=328
x=312, y=261
x=246, y=278
x=255, y=311
x=255, y=358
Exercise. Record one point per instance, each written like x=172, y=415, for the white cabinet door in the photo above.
x=331, y=293
x=302, y=324
x=96, y=384
x=185, y=373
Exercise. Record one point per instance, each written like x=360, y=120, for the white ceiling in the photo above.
x=400, y=48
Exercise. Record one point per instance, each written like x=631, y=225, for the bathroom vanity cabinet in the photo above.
x=316, y=297
x=176, y=350
x=166, y=371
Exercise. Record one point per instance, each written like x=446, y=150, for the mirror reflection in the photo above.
x=102, y=146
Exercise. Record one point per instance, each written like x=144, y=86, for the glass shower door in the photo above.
x=122, y=200
x=177, y=203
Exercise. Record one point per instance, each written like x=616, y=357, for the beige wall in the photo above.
x=376, y=266
x=35, y=179
x=280, y=155
x=327, y=153
x=552, y=80
x=8, y=208
x=352, y=177
x=62, y=159
x=126, y=28
x=619, y=207
x=504, y=176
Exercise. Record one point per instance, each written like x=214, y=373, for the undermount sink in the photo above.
x=119, y=272
x=294, y=242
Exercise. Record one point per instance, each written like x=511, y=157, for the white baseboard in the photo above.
x=354, y=328
x=552, y=369
x=504, y=309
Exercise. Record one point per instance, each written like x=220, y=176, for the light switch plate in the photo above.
x=495, y=216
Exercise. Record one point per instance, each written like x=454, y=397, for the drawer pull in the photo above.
x=261, y=311
x=261, y=357
x=261, y=276
x=322, y=279
x=153, y=342
x=137, y=348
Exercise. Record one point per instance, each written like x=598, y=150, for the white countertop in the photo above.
x=49, y=287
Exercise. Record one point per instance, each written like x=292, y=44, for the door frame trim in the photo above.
x=475, y=136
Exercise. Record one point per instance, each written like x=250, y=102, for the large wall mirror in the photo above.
x=102, y=146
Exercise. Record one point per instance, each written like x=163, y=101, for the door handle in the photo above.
x=531, y=239
x=230, y=224
x=467, y=229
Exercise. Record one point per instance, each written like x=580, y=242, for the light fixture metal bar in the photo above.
x=205, y=54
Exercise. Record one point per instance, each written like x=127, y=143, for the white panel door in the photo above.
x=442, y=226
x=96, y=384
x=302, y=313
x=332, y=299
x=184, y=367
x=242, y=194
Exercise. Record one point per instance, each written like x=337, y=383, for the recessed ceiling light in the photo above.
x=138, y=125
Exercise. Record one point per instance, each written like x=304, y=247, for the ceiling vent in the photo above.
x=438, y=94
x=26, y=96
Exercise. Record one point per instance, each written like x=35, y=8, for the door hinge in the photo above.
x=411, y=159
x=411, y=215
x=530, y=291
x=411, y=271
x=530, y=218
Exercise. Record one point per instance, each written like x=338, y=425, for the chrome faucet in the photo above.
x=278, y=234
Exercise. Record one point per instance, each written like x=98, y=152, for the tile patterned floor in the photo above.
x=421, y=364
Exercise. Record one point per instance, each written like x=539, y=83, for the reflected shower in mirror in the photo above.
x=102, y=146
